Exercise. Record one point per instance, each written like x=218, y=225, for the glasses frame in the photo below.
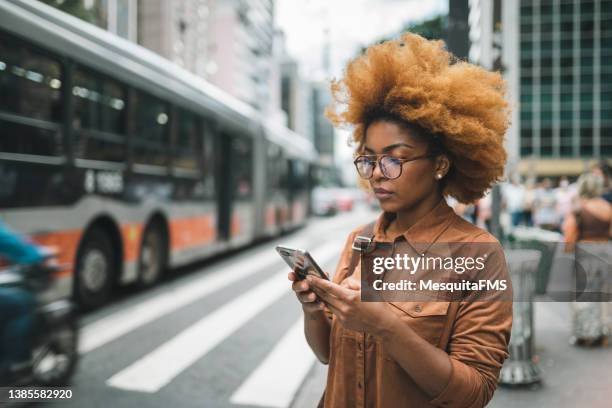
x=379, y=157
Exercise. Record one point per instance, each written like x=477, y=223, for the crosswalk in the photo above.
x=287, y=364
x=272, y=382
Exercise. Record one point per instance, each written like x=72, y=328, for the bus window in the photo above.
x=151, y=122
x=30, y=99
x=242, y=162
x=299, y=177
x=274, y=164
x=187, y=147
x=99, y=117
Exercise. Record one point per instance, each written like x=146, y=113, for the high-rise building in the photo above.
x=176, y=30
x=557, y=59
x=323, y=130
x=241, y=49
x=565, y=81
x=481, y=32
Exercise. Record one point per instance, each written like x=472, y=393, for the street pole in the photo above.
x=497, y=65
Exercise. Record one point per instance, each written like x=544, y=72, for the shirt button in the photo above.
x=417, y=308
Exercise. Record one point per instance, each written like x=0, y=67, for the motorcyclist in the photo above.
x=17, y=306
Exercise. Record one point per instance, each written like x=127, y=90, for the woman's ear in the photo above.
x=442, y=165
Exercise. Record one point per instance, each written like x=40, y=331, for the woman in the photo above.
x=426, y=127
x=587, y=231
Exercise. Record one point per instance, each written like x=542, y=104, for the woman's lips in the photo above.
x=382, y=193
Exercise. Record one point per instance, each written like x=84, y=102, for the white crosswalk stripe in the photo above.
x=125, y=321
x=158, y=368
x=287, y=364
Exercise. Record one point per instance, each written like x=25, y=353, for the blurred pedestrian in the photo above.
x=545, y=212
x=514, y=200
x=602, y=169
x=565, y=195
x=483, y=217
x=587, y=229
x=530, y=193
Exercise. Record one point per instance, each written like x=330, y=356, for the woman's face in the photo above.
x=417, y=180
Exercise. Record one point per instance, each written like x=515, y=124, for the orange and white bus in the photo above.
x=127, y=163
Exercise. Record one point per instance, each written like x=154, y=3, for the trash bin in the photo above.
x=593, y=287
x=520, y=368
x=541, y=240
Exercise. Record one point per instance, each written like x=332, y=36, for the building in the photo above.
x=324, y=136
x=241, y=44
x=480, y=20
x=565, y=86
x=557, y=59
x=296, y=99
x=176, y=30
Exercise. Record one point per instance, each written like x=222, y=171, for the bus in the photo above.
x=128, y=164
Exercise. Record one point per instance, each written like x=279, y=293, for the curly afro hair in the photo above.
x=417, y=82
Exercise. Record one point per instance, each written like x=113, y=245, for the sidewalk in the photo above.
x=572, y=376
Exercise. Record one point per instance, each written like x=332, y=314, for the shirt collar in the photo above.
x=426, y=230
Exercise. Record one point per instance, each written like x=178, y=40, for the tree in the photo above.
x=94, y=15
x=432, y=29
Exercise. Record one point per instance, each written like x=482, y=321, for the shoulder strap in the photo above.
x=365, y=236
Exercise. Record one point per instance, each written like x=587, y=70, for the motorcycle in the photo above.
x=54, y=353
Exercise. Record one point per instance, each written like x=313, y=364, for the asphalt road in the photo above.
x=226, y=333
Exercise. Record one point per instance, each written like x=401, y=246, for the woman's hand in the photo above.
x=309, y=300
x=345, y=302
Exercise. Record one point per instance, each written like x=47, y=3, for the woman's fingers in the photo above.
x=300, y=286
x=307, y=297
x=312, y=307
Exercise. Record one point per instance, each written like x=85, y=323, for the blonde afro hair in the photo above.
x=417, y=81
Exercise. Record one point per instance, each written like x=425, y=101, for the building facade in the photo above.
x=241, y=49
x=565, y=80
x=176, y=30
x=557, y=59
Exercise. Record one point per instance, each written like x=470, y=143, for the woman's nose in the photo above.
x=377, y=172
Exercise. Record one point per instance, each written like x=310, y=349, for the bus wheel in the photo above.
x=94, y=273
x=152, y=260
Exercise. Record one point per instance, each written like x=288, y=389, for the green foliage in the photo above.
x=93, y=15
x=432, y=29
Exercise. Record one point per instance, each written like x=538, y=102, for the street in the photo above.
x=227, y=334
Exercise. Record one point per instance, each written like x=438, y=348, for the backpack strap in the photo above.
x=361, y=241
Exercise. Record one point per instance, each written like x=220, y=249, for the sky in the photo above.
x=350, y=24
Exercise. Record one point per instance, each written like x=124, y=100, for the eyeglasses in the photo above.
x=391, y=167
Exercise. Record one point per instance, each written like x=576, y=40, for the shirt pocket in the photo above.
x=427, y=319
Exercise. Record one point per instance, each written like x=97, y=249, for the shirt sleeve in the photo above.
x=478, y=346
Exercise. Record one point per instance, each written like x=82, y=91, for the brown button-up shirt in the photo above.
x=362, y=374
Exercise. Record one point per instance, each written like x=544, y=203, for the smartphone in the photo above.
x=301, y=259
